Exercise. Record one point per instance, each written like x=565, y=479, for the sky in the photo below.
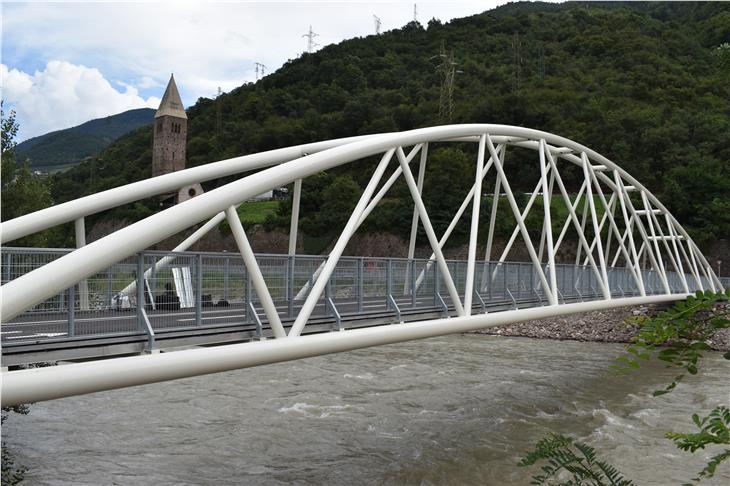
x=64, y=63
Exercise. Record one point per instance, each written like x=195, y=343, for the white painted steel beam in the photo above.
x=40, y=384
x=613, y=228
x=294, y=224
x=568, y=220
x=80, y=234
x=293, y=163
x=520, y=222
x=492, y=221
x=414, y=222
x=574, y=218
x=94, y=203
x=426, y=221
x=252, y=267
x=471, y=258
x=334, y=257
x=457, y=216
x=370, y=207
x=596, y=230
x=547, y=222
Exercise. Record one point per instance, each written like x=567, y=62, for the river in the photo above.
x=449, y=410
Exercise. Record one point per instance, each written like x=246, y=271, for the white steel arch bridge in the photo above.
x=631, y=249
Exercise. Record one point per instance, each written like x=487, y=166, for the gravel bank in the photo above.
x=609, y=326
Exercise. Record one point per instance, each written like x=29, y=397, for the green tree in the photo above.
x=22, y=191
x=578, y=459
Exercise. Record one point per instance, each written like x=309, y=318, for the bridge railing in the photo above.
x=196, y=289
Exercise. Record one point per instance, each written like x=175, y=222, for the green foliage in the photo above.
x=713, y=429
x=21, y=191
x=722, y=56
x=642, y=83
x=8, y=131
x=576, y=459
x=678, y=336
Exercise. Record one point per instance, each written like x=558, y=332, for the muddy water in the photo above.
x=452, y=410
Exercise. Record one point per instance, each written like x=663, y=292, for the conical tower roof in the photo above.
x=171, y=104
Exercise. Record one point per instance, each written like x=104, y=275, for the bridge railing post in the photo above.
x=72, y=311
x=488, y=281
x=226, y=277
x=414, y=290
x=504, y=278
x=6, y=267
x=250, y=309
x=152, y=281
x=109, y=285
x=328, y=293
x=290, y=285
x=436, y=285
x=388, y=281
x=140, y=290
x=199, y=290
x=360, y=278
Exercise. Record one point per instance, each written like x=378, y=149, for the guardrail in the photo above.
x=193, y=289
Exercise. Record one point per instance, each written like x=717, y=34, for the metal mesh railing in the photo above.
x=187, y=290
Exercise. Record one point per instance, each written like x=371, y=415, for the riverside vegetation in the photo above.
x=678, y=337
x=645, y=84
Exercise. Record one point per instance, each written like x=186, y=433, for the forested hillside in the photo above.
x=647, y=85
x=68, y=147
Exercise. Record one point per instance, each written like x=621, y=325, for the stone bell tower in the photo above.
x=168, y=145
x=170, y=132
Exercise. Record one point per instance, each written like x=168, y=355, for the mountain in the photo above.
x=69, y=147
x=643, y=83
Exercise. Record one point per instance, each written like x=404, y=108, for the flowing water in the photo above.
x=451, y=410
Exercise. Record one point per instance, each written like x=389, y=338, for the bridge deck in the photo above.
x=358, y=295
x=31, y=341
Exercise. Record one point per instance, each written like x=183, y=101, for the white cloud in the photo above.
x=147, y=82
x=206, y=44
x=63, y=95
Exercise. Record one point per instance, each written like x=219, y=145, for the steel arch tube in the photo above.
x=36, y=286
x=39, y=384
x=94, y=203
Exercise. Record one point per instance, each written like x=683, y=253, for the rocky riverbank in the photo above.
x=611, y=326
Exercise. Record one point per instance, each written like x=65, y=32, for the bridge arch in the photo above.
x=34, y=287
x=625, y=234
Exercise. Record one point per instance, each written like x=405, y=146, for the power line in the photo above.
x=260, y=70
x=447, y=71
x=310, y=39
x=377, y=24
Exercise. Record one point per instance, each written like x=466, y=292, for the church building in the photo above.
x=169, y=142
